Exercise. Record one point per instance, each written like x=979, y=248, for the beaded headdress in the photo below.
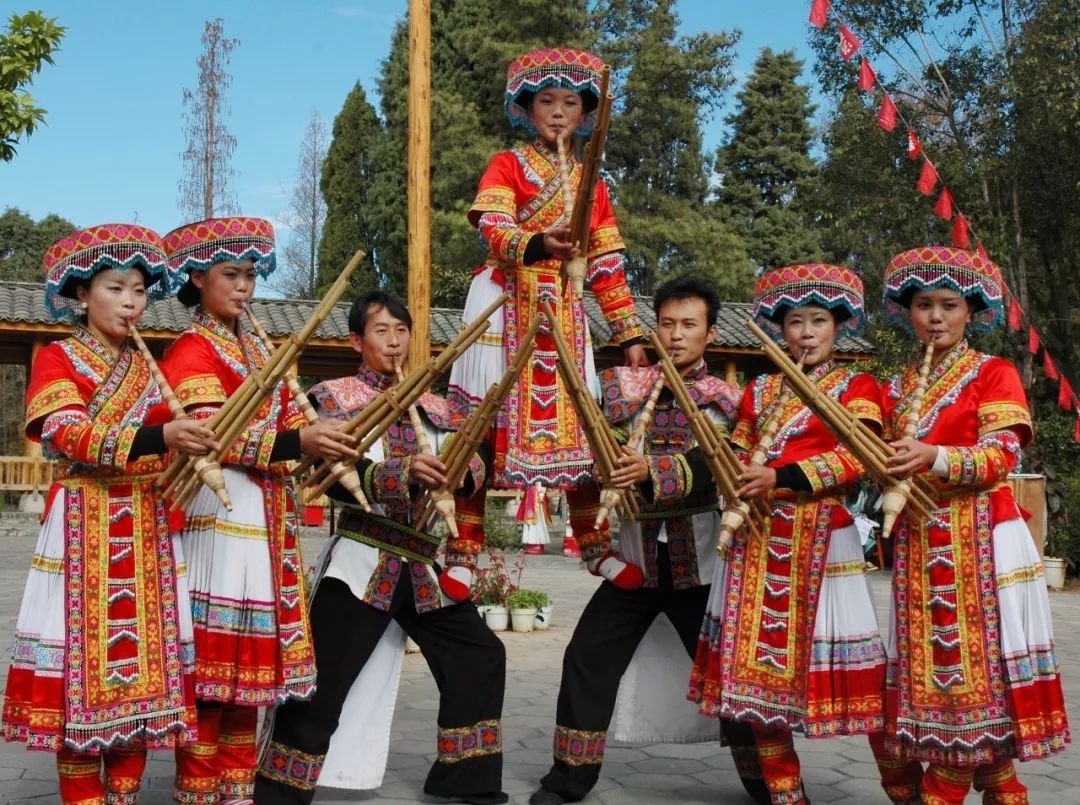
x=568, y=68
x=198, y=246
x=82, y=254
x=835, y=288
x=928, y=268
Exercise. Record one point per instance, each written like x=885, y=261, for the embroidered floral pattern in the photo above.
x=463, y=743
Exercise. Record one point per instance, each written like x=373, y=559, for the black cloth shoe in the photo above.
x=544, y=796
x=484, y=798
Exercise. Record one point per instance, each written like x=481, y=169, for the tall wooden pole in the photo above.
x=419, y=191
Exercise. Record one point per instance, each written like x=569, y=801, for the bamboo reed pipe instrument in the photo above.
x=180, y=482
x=598, y=434
x=866, y=445
x=723, y=463
x=475, y=429
x=377, y=417
x=897, y=494
x=733, y=517
x=581, y=216
x=442, y=498
x=209, y=473
x=346, y=474
x=609, y=497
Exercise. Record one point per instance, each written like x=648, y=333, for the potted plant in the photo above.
x=543, y=611
x=523, y=606
x=492, y=585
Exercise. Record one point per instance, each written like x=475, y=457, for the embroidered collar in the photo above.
x=697, y=373
x=376, y=380
x=98, y=348
x=821, y=370
x=213, y=324
x=949, y=360
x=546, y=151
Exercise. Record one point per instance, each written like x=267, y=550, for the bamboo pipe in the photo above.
x=441, y=497
x=602, y=441
x=867, y=446
x=734, y=516
x=381, y=413
x=575, y=267
x=210, y=473
x=723, y=463
x=474, y=430
x=345, y=474
x=609, y=496
x=240, y=408
x=896, y=495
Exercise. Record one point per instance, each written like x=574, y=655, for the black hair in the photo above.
x=689, y=288
x=362, y=307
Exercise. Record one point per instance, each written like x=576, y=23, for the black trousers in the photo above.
x=466, y=659
x=609, y=631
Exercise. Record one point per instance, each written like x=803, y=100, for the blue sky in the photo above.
x=110, y=150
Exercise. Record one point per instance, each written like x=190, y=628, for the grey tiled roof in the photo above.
x=25, y=302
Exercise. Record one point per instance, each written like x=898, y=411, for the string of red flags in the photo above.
x=945, y=207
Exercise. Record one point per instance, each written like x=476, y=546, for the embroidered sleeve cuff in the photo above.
x=823, y=471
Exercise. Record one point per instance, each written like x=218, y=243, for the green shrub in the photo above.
x=527, y=599
x=500, y=532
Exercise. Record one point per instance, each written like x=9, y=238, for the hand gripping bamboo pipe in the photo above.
x=897, y=494
x=179, y=482
x=733, y=516
x=575, y=267
x=475, y=429
x=209, y=473
x=864, y=444
x=611, y=496
x=723, y=463
x=377, y=417
x=345, y=474
x=442, y=498
x=597, y=432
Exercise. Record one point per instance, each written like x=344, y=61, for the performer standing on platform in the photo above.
x=973, y=680
x=520, y=212
x=673, y=539
x=102, y=660
x=376, y=574
x=252, y=642
x=794, y=644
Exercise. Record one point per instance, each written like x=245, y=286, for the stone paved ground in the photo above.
x=835, y=770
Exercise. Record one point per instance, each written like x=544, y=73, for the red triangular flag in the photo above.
x=1033, y=340
x=1065, y=395
x=927, y=178
x=914, y=147
x=886, y=118
x=983, y=253
x=1048, y=367
x=819, y=13
x=1012, y=321
x=866, y=76
x=960, y=231
x=849, y=43
x=943, y=208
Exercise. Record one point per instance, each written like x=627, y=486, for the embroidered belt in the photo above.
x=668, y=514
x=391, y=536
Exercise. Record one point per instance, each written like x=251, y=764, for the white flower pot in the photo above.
x=543, y=617
x=482, y=609
x=523, y=619
x=496, y=618
x=1054, y=571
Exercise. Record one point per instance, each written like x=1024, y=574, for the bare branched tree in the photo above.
x=306, y=214
x=205, y=184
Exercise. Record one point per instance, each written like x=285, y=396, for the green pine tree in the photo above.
x=765, y=166
x=23, y=241
x=348, y=178
x=659, y=173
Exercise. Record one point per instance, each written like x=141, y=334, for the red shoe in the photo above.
x=535, y=550
x=570, y=547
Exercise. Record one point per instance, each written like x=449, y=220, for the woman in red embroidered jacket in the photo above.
x=521, y=216
x=791, y=643
x=102, y=659
x=973, y=680
x=252, y=639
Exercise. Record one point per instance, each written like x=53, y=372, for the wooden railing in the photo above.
x=25, y=474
